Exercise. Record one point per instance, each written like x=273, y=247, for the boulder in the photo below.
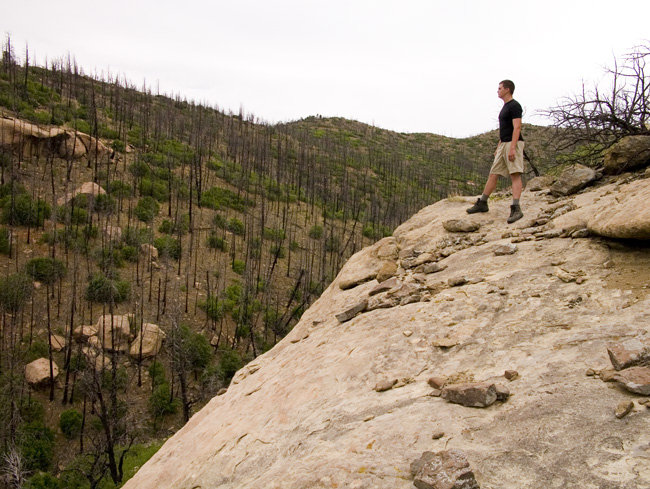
x=150, y=338
x=443, y=470
x=471, y=394
x=88, y=188
x=630, y=353
x=58, y=342
x=627, y=154
x=81, y=334
x=573, y=180
x=461, y=226
x=149, y=251
x=114, y=332
x=635, y=379
x=27, y=140
x=37, y=373
x=626, y=217
x=387, y=270
x=352, y=311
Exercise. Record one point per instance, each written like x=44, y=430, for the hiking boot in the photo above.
x=515, y=213
x=480, y=206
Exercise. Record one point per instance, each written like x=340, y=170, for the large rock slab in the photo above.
x=628, y=154
x=305, y=415
x=628, y=216
x=37, y=373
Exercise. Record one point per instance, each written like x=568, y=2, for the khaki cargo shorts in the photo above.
x=502, y=165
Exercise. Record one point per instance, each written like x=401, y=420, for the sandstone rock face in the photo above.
x=148, y=342
x=37, y=373
x=573, y=180
x=306, y=415
x=114, y=332
x=628, y=154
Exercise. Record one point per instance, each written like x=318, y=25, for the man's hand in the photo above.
x=511, y=153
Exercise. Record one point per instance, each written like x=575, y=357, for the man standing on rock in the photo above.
x=509, y=155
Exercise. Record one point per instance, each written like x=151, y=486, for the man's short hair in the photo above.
x=510, y=85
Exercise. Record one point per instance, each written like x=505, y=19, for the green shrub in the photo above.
x=119, y=146
x=37, y=446
x=181, y=226
x=70, y=422
x=42, y=480
x=38, y=349
x=118, y=188
x=129, y=253
x=230, y=361
x=316, y=232
x=146, y=209
x=15, y=289
x=274, y=234
x=45, y=269
x=218, y=198
x=136, y=237
x=104, y=203
x=217, y=242
x=278, y=251
x=168, y=246
x=220, y=221
x=5, y=241
x=160, y=402
x=236, y=226
x=106, y=290
x=157, y=373
x=212, y=307
x=25, y=212
x=238, y=266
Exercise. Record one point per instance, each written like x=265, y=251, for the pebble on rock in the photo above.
x=624, y=408
x=511, y=374
x=385, y=385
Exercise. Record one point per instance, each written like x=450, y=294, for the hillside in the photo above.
x=152, y=246
x=505, y=352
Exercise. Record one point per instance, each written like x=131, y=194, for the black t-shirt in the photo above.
x=511, y=110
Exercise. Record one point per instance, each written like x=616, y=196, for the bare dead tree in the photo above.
x=600, y=115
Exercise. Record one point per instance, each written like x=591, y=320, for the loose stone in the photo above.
x=624, y=408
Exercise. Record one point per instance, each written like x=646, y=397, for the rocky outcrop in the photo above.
x=352, y=404
x=30, y=140
x=628, y=154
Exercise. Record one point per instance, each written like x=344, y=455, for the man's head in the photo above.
x=508, y=85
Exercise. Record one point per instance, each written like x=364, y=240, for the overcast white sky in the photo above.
x=405, y=65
